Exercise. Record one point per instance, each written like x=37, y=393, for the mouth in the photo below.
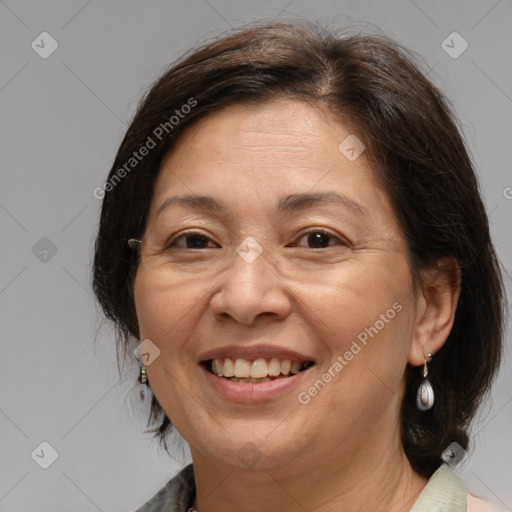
x=254, y=371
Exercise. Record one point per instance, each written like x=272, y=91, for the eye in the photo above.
x=319, y=239
x=192, y=241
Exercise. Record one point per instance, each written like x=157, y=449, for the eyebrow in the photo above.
x=287, y=204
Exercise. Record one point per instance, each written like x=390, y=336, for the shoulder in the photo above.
x=476, y=504
x=177, y=494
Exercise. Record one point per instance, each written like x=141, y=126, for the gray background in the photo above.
x=62, y=119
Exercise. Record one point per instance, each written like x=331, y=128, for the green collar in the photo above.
x=444, y=492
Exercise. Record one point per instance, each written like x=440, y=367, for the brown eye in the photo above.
x=192, y=241
x=320, y=239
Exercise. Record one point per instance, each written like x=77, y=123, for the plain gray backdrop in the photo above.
x=62, y=119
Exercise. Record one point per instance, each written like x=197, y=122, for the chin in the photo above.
x=249, y=443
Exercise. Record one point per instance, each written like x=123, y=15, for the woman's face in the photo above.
x=295, y=260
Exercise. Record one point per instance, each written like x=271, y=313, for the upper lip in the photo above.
x=254, y=352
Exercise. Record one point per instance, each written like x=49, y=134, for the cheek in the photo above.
x=163, y=307
x=166, y=316
x=364, y=330
x=364, y=314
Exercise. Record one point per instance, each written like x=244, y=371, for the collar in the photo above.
x=444, y=491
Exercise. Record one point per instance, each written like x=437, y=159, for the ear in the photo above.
x=437, y=296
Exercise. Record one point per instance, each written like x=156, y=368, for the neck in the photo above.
x=377, y=478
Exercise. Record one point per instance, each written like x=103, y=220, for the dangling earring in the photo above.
x=143, y=389
x=425, y=396
x=138, y=395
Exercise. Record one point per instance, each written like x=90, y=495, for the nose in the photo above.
x=251, y=290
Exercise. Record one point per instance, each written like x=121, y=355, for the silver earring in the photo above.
x=143, y=391
x=139, y=396
x=425, y=396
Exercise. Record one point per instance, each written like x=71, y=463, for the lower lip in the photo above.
x=252, y=392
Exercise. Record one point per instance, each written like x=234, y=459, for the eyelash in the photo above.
x=317, y=230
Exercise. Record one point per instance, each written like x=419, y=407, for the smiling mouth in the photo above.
x=255, y=371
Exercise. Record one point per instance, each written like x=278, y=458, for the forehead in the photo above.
x=245, y=151
x=263, y=132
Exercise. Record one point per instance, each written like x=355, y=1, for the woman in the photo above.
x=293, y=229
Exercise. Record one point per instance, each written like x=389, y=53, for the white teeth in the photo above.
x=250, y=380
x=218, y=368
x=259, y=369
x=229, y=367
x=274, y=367
x=242, y=368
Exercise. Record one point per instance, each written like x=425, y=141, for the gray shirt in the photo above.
x=444, y=492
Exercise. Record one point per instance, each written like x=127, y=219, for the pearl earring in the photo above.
x=425, y=396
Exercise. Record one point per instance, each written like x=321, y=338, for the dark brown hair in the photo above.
x=374, y=86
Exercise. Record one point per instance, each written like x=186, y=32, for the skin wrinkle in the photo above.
x=347, y=439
